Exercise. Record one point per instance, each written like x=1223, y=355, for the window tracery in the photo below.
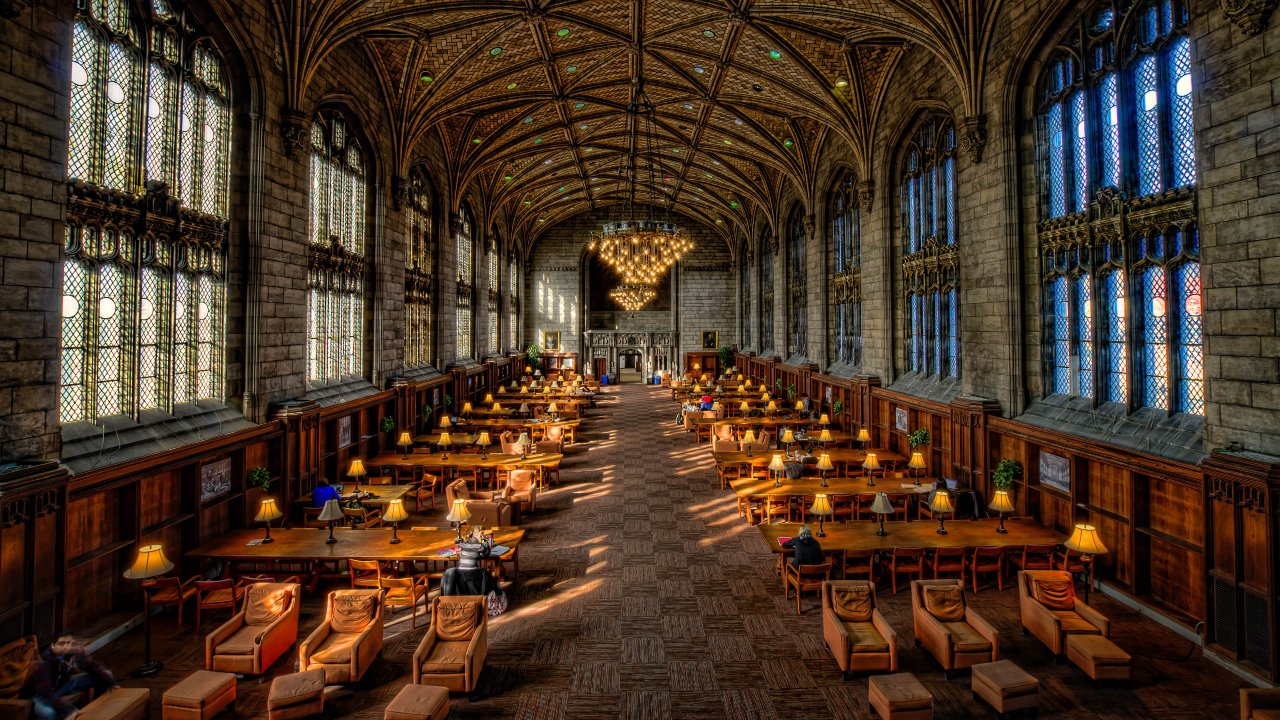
x=745, y=264
x=513, y=301
x=768, y=256
x=797, y=289
x=495, y=297
x=844, y=229
x=418, y=274
x=466, y=273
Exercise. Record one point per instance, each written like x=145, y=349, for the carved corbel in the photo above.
x=866, y=195
x=772, y=241
x=455, y=224
x=400, y=191
x=810, y=227
x=973, y=137
x=1249, y=15
x=295, y=129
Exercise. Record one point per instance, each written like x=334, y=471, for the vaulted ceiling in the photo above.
x=528, y=98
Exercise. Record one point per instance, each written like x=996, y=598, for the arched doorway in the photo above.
x=630, y=366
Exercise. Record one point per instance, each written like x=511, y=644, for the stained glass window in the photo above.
x=1059, y=298
x=513, y=302
x=466, y=272
x=930, y=269
x=844, y=229
x=1142, y=93
x=744, y=263
x=766, y=296
x=143, y=323
x=335, y=313
x=494, y=299
x=797, y=294
x=418, y=274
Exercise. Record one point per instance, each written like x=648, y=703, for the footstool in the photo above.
x=900, y=697
x=119, y=704
x=1005, y=686
x=199, y=697
x=1098, y=657
x=418, y=702
x=297, y=695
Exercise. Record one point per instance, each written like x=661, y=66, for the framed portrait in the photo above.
x=215, y=479
x=902, y=420
x=710, y=340
x=344, y=431
x=551, y=340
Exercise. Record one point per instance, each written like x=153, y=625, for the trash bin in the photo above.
x=604, y=379
x=657, y=379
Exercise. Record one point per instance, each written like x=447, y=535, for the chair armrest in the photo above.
x=1094, y=617
x=931, y=633
x=313, y=641
x=835, y=634
x=217, y=637
x=1257, y=699
x=424, y=649
x=368, y=643
x=985, y=629
x=192, y=580
x=477, y=650
x=890, y=636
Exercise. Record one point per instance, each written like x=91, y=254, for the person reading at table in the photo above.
x=808, y=551
x=324, y=493
x=706, y=402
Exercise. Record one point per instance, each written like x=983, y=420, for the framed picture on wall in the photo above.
x=215, y=479
x=710, y=340
x=828, y=394
x=551, y=340
x=902, y=420
x=344, y=431
x=1055, y=472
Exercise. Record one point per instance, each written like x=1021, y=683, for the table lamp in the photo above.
x=523, y=443
x=331, y=513
x=1002, y=504
x=799, y=404
x=484, y=442
x=458, y=514
x=824, y=464
x=1084, y=540
x=824, y=420
x=151, y=563
x=546, y=390
x=788, y=438
x=552, y=409
x=697, y=387
x=716, y=406
x=394, y=514
x=881, y=506
x=537, y=373
x=744, y=406
x=524, y=409
x=443, y=441
x=357, y=470
x=719, y=389
x=773, y=407
x=825, y=436
x=775, y=467
x=742, y=388
x=524, y=389
x=513, y=385
x=764, y=396
x=942, y=505
x=555, y=384
x=497, y=407
x=871, y=463
x=406, y=442
x=749, y=439
x=445, y=421
x=266, y=513
x=917, y=464
x=864, y=437
x=821, y=508
x=466, y=407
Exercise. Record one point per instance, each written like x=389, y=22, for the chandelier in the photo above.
x=633, y=297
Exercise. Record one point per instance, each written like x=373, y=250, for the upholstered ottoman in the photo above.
x=201, y=696
x=900, y=697
x=297, y=695
x=418, y=702
x=119, y=704
x=1098, y=657
x=1005, y=686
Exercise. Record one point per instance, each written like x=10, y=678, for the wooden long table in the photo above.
x=385, y=494
x=960, y=533
x=755, y=487
x=569, y=427
x=541, y=463
x=307, y=546
x=838, y=455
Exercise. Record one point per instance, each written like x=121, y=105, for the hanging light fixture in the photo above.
x=633, y=297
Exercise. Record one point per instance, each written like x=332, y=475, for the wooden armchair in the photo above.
x=909, y=561
x=255, y=637
x=363, y=518
x=349, y=639
x=172, y=591
x=986, y=560
x=948, y=560
x=1051, y=611
x=953, y=632
x=366, y=573
x=452, y=653
x=856, y=633
x=214, y=595
x=805, y=577
x=405, y=592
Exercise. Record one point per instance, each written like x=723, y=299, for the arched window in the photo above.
x=844, y=229
x=931, y=257
x=766, y=294
x=1115, y=133
x=745, y=264
x=513, y=302
x=466, y=278
x=335, y=305
x=797, y=296
x=418, y=266
x=144, y=300
x=495, y=297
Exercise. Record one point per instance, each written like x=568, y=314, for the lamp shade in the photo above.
x=488, y=397
x=716, y=406
x=524, y=389
x=788, y=436
x=719, y=388
x=764, y=396
x=523, y=440
x=150, y=563
x=537, y=373
x=871, y=463
x=821, y=505
x=405, y=439
x=444, y=439
x=776, y=464
x=773, y=405
x=697, y=387
x=917, y=461
x=825, y=436
x=466, y=407
x=1085, y=539
x=524, y=408
x=445, y=421
x=824, y=462
x=357, y=469
x=332, y=511
x=824, y=420
x=864, y=436
x=513, y=385
x=1002, y=503
x=484, y=440
x=744, y=406
x=395, y=511
x=497, y=407
x=528, y=369
x=555, y=383
x=268, y=511
x=553, y=408
x=942, y=502
x=749, y=437
x=799, y=405
x=458, y=512
x=742, y=388
x=881, y=505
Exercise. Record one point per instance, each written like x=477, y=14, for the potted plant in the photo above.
x=837, y=407
x=791, y=391
x=260, y=478
x=388, y=425
x=726, y=357
x=533, y=356
x=1005, y=474
x=918, y=438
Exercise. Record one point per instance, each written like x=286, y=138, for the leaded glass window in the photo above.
x=931, y=258
x=766, y=297
x=495, y=298
x=513, y=302
x=335, y=312
x=745, y=264
x=844, y=229
x=144, y=300
x=419, y=263
x=466, y=273
x=797, y=293
x=1116, y=138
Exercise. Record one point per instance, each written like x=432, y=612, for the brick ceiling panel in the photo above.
x=579, y=36
x=609, y=13
x=598, y=67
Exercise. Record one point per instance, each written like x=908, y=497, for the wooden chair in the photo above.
x=363, y=518
x=843, y=507
x=365, y=573
x=172, y=591
x=777, y=505
x=863, y=506
x=214, y=595
x=404, y=592
x=948, y=560
x=805, y=577
x=908, y=561
x=406, y=473
x=986, y=560
x=861, y=561
x=899, y=503
x=310, y=518
x=1073, y=562
x=1030, y=557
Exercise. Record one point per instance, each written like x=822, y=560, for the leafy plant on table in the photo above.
x=1005, y=473
x=260, y=478
x=918, y=438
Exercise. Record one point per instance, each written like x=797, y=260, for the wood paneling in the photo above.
x=92, y=522
x=1177, y=578
x=1108, y=489
x=1176, y=509
x=162, y=497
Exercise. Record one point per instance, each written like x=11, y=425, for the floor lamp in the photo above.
x=1084, y=540
x=151, y=563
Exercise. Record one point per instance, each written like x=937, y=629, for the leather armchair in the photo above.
x=452, y=653
x=522, y=486
x=958, y=643
x=490, y=509
x=15, y=664
x=265, y=627
x=349, y=639
x=857, y=634
x=1259, y=704
x=1053, y=626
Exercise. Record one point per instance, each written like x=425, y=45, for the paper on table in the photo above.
x=252, y=543
x=499, y=550
x=782, y=540
x=448, y=552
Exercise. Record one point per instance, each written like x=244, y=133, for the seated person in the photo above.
x=323, y=493
x=806, y=405
x=706, y=402
x=808, y=551
x=65, y=668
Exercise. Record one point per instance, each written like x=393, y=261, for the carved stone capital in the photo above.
x=1249, y=15
x=810, y=227
x=295, y=129
x=736, y=18
x=455, y=224
x=400, y=191
x=866, y=195
x=973, y=137
x=14, y=8
x=772, y=242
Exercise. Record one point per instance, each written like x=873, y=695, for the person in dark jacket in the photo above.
x=65, y=668
x=808, y=551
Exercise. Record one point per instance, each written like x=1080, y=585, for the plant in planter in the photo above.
x=918, y=438
x=260, y=478
x=388, y=425
x=726, y=357
x=448, y=400
x=837, y=407
x=777, y=384
x=791, y=391
x=1005, y=473
x=533, y=356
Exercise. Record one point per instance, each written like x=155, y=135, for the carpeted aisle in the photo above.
x=643, y=596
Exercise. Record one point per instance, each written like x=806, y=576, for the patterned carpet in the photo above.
x=643, y=596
